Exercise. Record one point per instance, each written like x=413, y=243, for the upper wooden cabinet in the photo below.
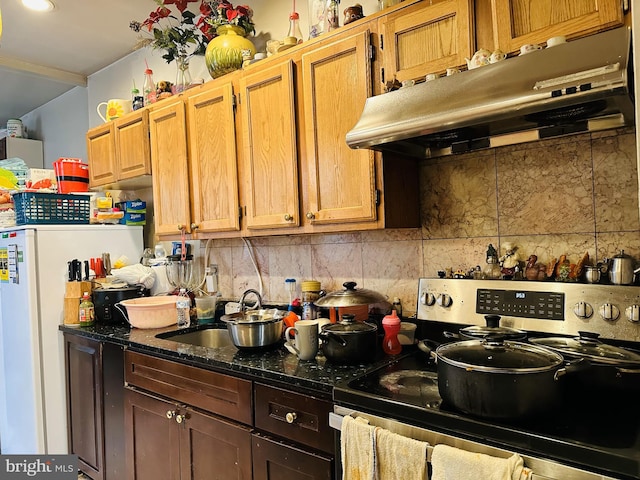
x=340, y=183
x=211, y=135
x=171, y=170
x=269, y=161
x=119, y=152
x=426, y=37
x=518, y=22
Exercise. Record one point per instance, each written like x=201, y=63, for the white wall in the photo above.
x=61, y=124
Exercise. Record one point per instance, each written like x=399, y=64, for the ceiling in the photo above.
x=43, y=55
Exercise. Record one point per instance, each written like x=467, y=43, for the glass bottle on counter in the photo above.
x=332, y=16
x=86, y=311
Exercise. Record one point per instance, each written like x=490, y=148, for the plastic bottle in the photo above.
x=294, y=26
x=183, y=305
x=148, y=87
x=391, y=324
x=86, y=311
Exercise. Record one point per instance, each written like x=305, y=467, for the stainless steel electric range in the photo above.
x=594, y=435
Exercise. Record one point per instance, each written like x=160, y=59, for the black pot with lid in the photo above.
x=498, y=379
x=611, y=366
x=491, y=328
x=349, y=342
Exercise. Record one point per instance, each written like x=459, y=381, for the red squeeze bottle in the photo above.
x=390, y=343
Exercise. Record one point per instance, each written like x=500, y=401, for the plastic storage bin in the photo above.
x=51, y=208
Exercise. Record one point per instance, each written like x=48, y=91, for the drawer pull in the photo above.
x=291, y=417
x=171, y=413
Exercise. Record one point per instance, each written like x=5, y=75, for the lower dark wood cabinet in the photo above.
x=276, y=460
x=171, y=441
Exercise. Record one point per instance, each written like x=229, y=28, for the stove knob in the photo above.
x=583, y=310
x=609, y=312
x=633, y=313
x=444, y=300
x=428, y=299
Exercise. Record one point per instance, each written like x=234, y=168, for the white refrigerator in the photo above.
x=33, y=274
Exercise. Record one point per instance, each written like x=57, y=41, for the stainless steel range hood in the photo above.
x=582, y=85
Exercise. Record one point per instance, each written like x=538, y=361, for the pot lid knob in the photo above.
x=348, y=318
x=493, y=321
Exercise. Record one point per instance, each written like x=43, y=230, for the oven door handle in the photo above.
x=335, y=422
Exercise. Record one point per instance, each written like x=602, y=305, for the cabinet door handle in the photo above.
x=194, y=226
x=310, y=215
x=291, y=417
x=180, y=418
x=171, y=413
x=287, y=217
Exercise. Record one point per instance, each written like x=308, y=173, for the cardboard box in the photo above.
x=133, y=219
x=133, y=206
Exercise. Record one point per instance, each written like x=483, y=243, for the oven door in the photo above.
x=542, y=469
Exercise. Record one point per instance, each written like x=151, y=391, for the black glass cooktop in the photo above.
x=593, y=430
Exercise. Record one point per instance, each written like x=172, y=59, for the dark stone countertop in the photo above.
x=276, y=366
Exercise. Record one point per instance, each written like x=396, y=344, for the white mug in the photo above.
x=558, y=40
x=305, y=344
x=115, y=108
x=529, y=47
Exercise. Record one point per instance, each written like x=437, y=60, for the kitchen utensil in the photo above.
x=621, y=269
x=149, y=312
x=612, y=367
x=494, y=378
x=255, y=328
x=492, y=327
x=592, y=274
x=305, y=344
x=105, y=299
x=349, y=342
x=179, y=270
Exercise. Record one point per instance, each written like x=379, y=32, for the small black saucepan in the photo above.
x=493, y=327
x=349, y=342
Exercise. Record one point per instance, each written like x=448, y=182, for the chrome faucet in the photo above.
x=258, y=303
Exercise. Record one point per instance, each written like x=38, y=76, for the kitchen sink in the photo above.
x=210, y=337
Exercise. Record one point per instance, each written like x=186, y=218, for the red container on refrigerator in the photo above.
x=72, y=175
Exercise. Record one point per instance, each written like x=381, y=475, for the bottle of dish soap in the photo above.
x=391, y=324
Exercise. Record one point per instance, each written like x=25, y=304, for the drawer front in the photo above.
x=211, y=391
x=273, y=460
x=293, y=416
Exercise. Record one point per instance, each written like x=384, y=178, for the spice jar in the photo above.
x=310, y=293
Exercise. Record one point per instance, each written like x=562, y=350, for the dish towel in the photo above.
x=450, y=463
x=358, y=447
x=399, y=457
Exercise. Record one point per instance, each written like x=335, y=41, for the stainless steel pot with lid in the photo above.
x=350, y=296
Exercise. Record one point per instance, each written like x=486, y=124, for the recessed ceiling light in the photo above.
x=38, y=5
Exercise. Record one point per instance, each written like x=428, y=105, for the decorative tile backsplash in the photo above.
x=567, y=196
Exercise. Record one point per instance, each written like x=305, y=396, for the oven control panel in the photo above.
x=520, y=303
x=613, y=311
